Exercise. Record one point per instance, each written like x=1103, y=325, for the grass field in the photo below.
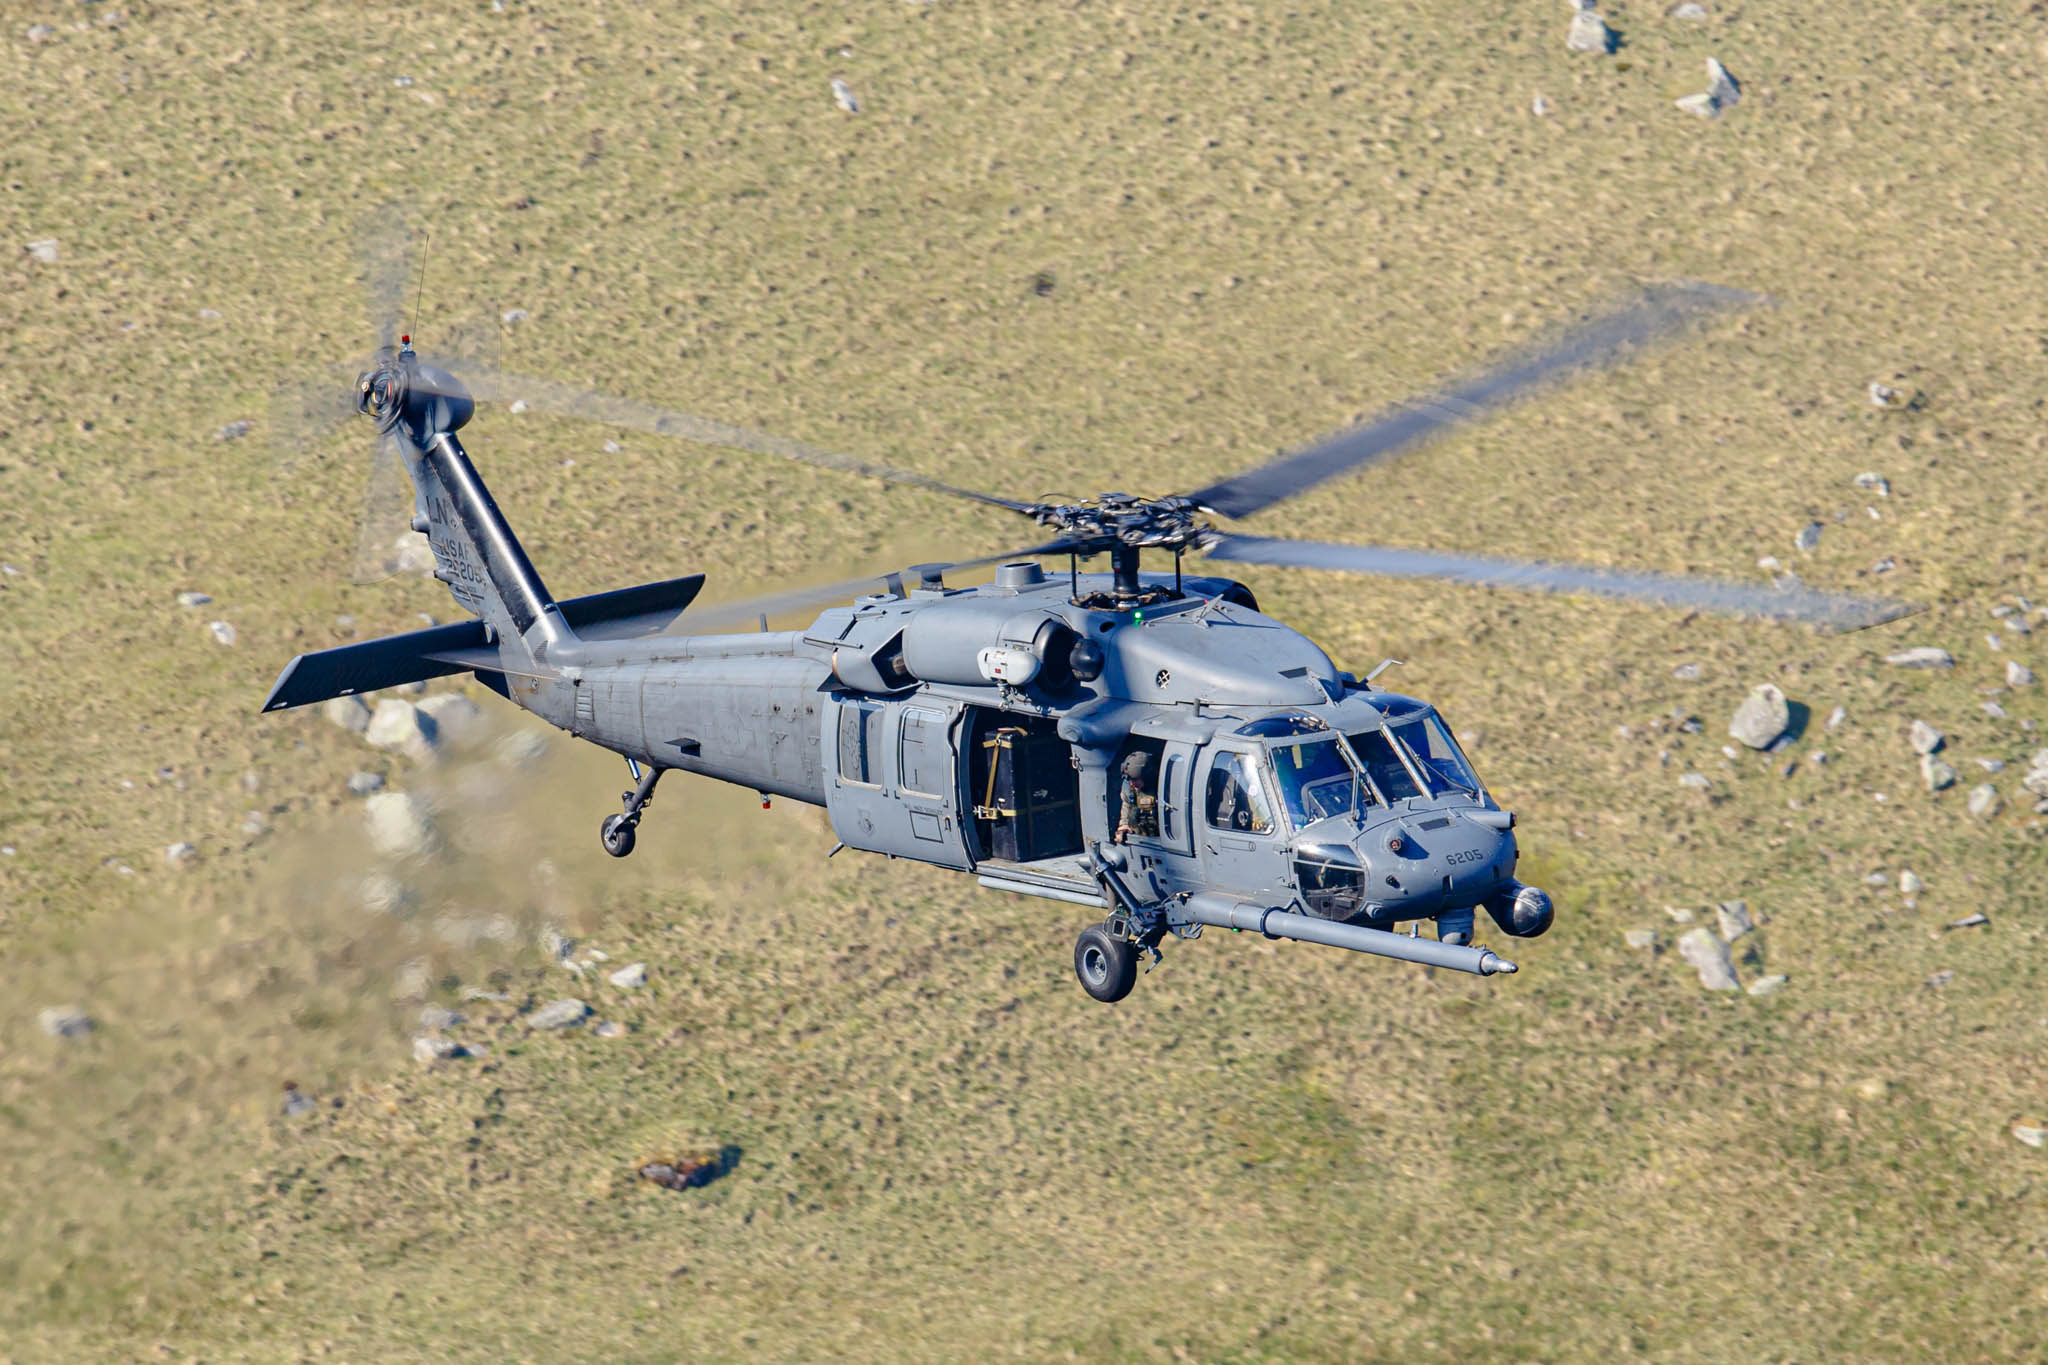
x=1255, y=223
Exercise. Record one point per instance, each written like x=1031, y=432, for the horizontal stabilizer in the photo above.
x=624, y=613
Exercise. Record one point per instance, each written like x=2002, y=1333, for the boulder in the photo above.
x=400, y=825
x=1708, y=955
x=350, y=713
x=401, y=727
x=1762, y=717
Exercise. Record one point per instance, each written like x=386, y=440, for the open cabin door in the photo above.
x=894, y=780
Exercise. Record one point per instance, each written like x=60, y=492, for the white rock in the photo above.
x=1695, y=781
x=1680, y=914
x=456, y=718
x=1936, y=773
x=43, y=249
x=512, y=315
x=1910, y=883
x=2033, y=1134
x=1924, y=738
x=1640, y=938
x=1837, y=716
x=1690, y=12
x=179, y=854
x=438, y=1018
x=1709, y=956
x=1922, y=656
x=630, y=978
x=1588, y=33
x=1991, y=765
x=1984, y=801
x=412, y=552
x=842, y=95
x=1539, y=106
x=1768, y=985
x=2017, y=674
x=64, y=1021
x=1727, y=94
x=558, y=946
x=383, y=894
x=429, y=1048
x=558, y=1014
x=194, y=599
x=399, y=824
x=222, y=631
x=350, y=713
x=1808, y=539
x=1700, y=106
x=400, y=726
x=609, y=1028
x=365, y=783
x=1734, y=919
x=518, y=405
x=1762, y=717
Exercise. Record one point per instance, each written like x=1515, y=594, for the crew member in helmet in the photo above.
x=1138, y=811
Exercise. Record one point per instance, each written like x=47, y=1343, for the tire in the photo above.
x=617, y=834
x=1106, y=964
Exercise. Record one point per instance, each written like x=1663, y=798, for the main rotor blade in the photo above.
x=749, y=611
x=566, y=400
x=1834, y=611
x=1599, y=343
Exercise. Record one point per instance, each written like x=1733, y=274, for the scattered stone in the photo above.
x=222, y=631
x=194, y=599
x=2030, y=1131
x=399, y=825
x=1874, y=483
x=1922, y=656
x=1837, y=716
x=44, y=249
x=438, y=1018
x=1877, y=879
x=612, y=447
x=297, y=1102
x=1910, y=883
x=1941, y=978
x=364, y=783
x=413, y=981
x=255, y=823
x=64, y=1021
x=630, y=978
x=512, y=315
x=1735, y=920
x=1885, y=565
x=2036, y=780
x=1936, y=773
x=1727, y=94
x=1818, y=757
x=456, y=718
x=518, y=405
x=1680, y=914
x=1686, y=672
x=234, y=431
x=429, y=1048
x=1873, y=1088
x=842, y=95
x=1884, y=395
x=1992, y=709
x=350, y=713
x=1991, y=765
x=1762, y=717
x=399, y=725
x=1709, y=956
x=1690, y=12
x=1695, y=781
x=179, y=854
x=1924, y=738
x=2017, y=674
x=479, y=993
x=1589, y=32
x=609, y=1028
x=558, y=1014
x=1540, y=107
x=383, y=894
x=1641, y=938
x=1984, y=801
x=7, y=850
x=1768, y=985
x=1967, y=921
x=1808, y=539
x=557, y=945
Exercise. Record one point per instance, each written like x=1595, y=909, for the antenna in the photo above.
x=428, y=235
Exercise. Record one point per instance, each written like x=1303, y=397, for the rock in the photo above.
x=1971, y=921
x=438, y=1018
x=1808, y=539
x=2036, y=780
x=1762, y=717
x=1686, y=672
x=222, y=631
x=1695, y=781
x=1640, y=938
x=2017, y=674
x=1588, y=33
x=1680, y=914
x=1910, y=883
x=1884, y=395
x=64, y=1021
x=1837, y=716
x=612, y=447
x=457, y=720
x=412, y=552
x=1936, y=773
x=1991, y=765
x=558, y=1014
x=400, y=826
x=2030, y=1131
x=609, y=1028
x=512, y=315
x=630, y=978
x=383, y=894
x=179, y=854
x=479, y=993
x=1984, y=801
x=194, y=599
x=1700, y=106
x=412, y=981
x=1873, y=1088
x=429, y=1048
x=1941, y=978
x=364, y=783
x=1709, y=956
x=1689, y=12
x=1924, y=738
x=400, y=726
x=350, y=713
x=1734, y=919
x=1540, y=107
x=43, y=249
x=558, y=946
x=1992, y=709
x=1727, y=94
x=1922, y=656
x=1768, y=985
x=297, y=1103
x=233, y=431
x=842, y=95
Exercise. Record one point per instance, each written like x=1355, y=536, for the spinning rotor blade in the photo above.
x=386, y=544
x=566, y=400
x=385, y=241
x=749, y=611
x=1596, y=344
x=1833, y=611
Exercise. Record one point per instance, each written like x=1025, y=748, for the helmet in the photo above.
x=1135, y=764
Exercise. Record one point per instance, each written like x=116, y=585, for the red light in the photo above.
x=405, y=341
x=764, y=803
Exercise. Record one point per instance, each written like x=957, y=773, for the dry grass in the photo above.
x=1256, y=225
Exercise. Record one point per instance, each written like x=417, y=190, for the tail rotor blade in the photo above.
x=386, y=544
x=385, y=239
x=1829, y=610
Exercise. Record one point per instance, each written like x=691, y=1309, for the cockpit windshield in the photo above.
x=1443, y=766
x=1315, y=781
x=1384, y=766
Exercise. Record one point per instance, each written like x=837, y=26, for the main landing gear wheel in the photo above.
x=1106, y=964
x=617, y=833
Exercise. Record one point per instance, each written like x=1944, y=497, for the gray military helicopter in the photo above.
x=1147, y=745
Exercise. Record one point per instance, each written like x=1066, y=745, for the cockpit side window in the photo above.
x=1315, y=779
x=1429, y=739
x=1237, y=795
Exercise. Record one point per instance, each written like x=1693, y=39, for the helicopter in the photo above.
x=1147, y=745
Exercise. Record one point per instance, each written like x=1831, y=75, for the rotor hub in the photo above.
x=413, y=400
x=1113, y=520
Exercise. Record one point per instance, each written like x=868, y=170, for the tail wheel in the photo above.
x=1106, y=964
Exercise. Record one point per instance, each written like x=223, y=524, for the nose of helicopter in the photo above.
x=1422, y=864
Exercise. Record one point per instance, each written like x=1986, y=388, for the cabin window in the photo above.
x=860, y=743
x=1237, y=795
x=921, y=753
